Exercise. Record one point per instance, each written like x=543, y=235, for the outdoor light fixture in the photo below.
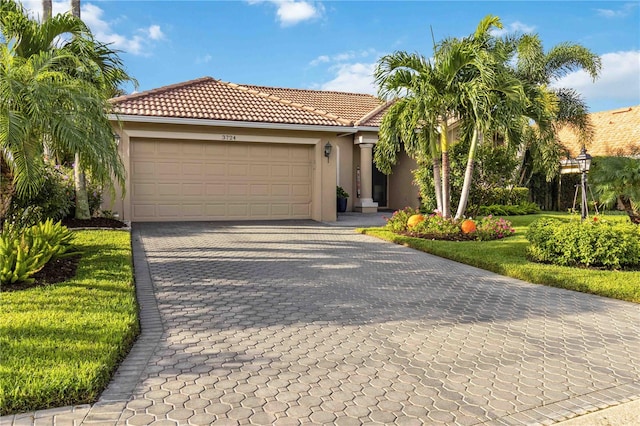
x=116, y=137
x=584, y=164
x=327, y=150
x=584, y=160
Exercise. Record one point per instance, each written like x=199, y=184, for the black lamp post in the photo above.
x=584, y=164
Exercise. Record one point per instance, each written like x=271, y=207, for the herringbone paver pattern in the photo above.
x=298, y=323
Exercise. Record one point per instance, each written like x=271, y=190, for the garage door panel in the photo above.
x=237, y=169
x=280, y=170
x=191, y=189
x=215, y=169
x=143, y=190
x=167, y=189
x=259, y=190
x=280, y=190
x=216, y=189
x=197, y=180
x=237, y=189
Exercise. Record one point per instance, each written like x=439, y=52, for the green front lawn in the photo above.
x=60, y=344
x=507, y=257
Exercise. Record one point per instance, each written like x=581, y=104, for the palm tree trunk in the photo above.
x=75, y=8
x=46, y=10
x=446, y=168
x=437, y=175
x=6, y=188
x=82, y=198
x=468, y=175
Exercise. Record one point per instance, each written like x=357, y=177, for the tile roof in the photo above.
x=208, y=98
x=616, y=132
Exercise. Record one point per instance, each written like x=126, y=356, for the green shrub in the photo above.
x=438, y=227
x=398, y=221
x=491, y=228
x=341, y=193
x=590, y=243
x=23, y=252
x=54, y=198
x=509, y=210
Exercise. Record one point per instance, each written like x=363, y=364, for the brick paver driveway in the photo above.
x=297, y=322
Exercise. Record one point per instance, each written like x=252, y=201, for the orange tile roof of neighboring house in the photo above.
x=616, y=132
x=207, y=98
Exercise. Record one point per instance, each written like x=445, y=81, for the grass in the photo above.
x=61, y=343
x=508, y=257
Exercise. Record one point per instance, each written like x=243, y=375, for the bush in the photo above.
x=398, y=221
x=509, y=210
x=490, y=228
x=590, y=243
x=54, y=198
x=23, y=252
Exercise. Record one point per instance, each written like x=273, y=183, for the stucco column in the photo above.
x=365, y=203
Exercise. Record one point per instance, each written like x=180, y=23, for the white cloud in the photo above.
x=138, y=43
x=618, y=13
x=356, y=78
x=514, y=27
x=619, y=79
x=292, y=12
x=155, y=33
x=319, y=60
x=204, y=59
x=342, y=57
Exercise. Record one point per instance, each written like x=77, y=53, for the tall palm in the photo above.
x=467, y=81
x=412, y=120
x=80, y=58
x=486, y=94
x=540, y=71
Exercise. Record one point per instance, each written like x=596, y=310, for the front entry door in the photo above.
x=379, y=185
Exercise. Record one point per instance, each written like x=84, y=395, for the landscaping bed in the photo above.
x=508, y=257
x=61, y=342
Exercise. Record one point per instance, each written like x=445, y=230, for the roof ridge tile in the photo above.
x=161, y=89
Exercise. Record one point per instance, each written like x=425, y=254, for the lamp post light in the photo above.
x=584, y=164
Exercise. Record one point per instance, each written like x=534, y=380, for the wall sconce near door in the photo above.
x=116, y=137
x=327, y=150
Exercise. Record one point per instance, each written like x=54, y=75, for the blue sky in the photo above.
x=334, y=45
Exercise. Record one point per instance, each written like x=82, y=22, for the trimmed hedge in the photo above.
x=590, y=243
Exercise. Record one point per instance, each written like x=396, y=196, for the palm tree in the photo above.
x=411, y=122
x=539, y=71
x=617, y=182
x=467, y=81
x=91, y=65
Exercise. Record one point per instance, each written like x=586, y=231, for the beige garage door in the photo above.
x=201, y=180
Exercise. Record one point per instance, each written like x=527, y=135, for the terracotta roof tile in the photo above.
x=207, y=98
x=616, y=132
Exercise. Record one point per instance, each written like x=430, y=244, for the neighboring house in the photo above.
x=616, y=133
x=211, y=150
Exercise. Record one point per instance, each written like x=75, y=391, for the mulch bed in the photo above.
x=94, y=222
x=64, y=269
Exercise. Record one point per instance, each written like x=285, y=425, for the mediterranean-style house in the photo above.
x=212, y=150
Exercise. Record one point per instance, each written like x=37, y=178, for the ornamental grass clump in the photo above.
x=436, y=227
x=591, y=243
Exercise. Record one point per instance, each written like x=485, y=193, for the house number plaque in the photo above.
x=228, y=137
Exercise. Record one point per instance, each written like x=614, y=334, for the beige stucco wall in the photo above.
x=402, y=191
x=324, y=172
x=345, y=177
